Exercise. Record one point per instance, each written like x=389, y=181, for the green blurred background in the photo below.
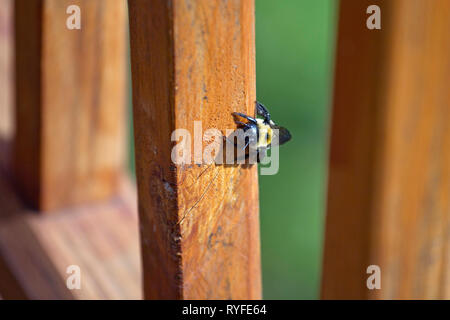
x=294, y=76
x=294, y=67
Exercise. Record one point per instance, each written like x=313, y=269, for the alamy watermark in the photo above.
x=374, y=280
x=74, y=20
x=236, y=147
x=73, y=281
x=374, y=20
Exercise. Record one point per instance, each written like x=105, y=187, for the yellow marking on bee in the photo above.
x=265, y=134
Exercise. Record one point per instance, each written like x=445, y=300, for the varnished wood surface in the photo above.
x=389, y=170
x=71, y=96
x=194, y=60
x=68, y=153
x=102, y=239
x=6, y=79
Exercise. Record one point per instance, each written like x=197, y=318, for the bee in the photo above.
x=261, y=133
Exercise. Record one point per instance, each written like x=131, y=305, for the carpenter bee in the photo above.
x=261, y=133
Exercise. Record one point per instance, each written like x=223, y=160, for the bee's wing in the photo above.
x=238, y=116
x=283, y=135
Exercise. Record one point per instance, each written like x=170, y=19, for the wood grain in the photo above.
x=102, y=239
x=194, y=60
x=6, y=80
x=389, y=170
x=71, y=94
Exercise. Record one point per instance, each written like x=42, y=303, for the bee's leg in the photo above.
x=244, y=116
x=261, y=154
x=235, y=143
x=232, y=142
x=262, y=111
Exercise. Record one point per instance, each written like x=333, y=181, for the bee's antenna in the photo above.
x=262, y=111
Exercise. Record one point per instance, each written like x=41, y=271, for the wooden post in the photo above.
x=389, y=173
x=6, y=80
x=194, y=60
x=71, y=87
x=70, y=99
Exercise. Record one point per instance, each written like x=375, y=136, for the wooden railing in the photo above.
x=199, y=224
x=389, y=174
x=67, y=200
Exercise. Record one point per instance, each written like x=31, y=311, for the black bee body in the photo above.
x=261, y=133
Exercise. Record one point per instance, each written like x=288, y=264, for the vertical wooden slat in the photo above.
x=389, y=178
x=71, y=87
x=6, y=80
x=70, y=101
x=194, y=60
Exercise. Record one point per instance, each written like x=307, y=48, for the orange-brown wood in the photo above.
x=389, y=170
x=6, y=79
x=194, y=60
x=70, y=94
x=101, y=239
x=70, y=113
